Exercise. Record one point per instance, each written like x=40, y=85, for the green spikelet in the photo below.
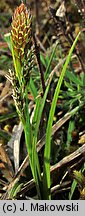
x=17, y=94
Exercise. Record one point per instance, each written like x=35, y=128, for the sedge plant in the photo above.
x=23, y=53
x=22, y=49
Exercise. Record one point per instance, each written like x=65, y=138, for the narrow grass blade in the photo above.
x=73, y=78
x=36, y=120
x=71, y=128
x=42, y=58
x=28, y=131
x=8, y=116
x=50, y=60
x=7, y=39
x=73, y=187
x=16, y=188
x=16, y=61
x=33, y=88
x=5, y=135
x=46, y=179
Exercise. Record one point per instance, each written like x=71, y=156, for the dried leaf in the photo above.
x=14, y=144
x=5, y=164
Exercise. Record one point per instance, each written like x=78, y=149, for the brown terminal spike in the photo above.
x=21, y=31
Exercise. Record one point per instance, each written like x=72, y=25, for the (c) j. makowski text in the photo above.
x=51, y=207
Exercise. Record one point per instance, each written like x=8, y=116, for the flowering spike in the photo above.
x=23, y=55
x=22, y=42
x=21, y=31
